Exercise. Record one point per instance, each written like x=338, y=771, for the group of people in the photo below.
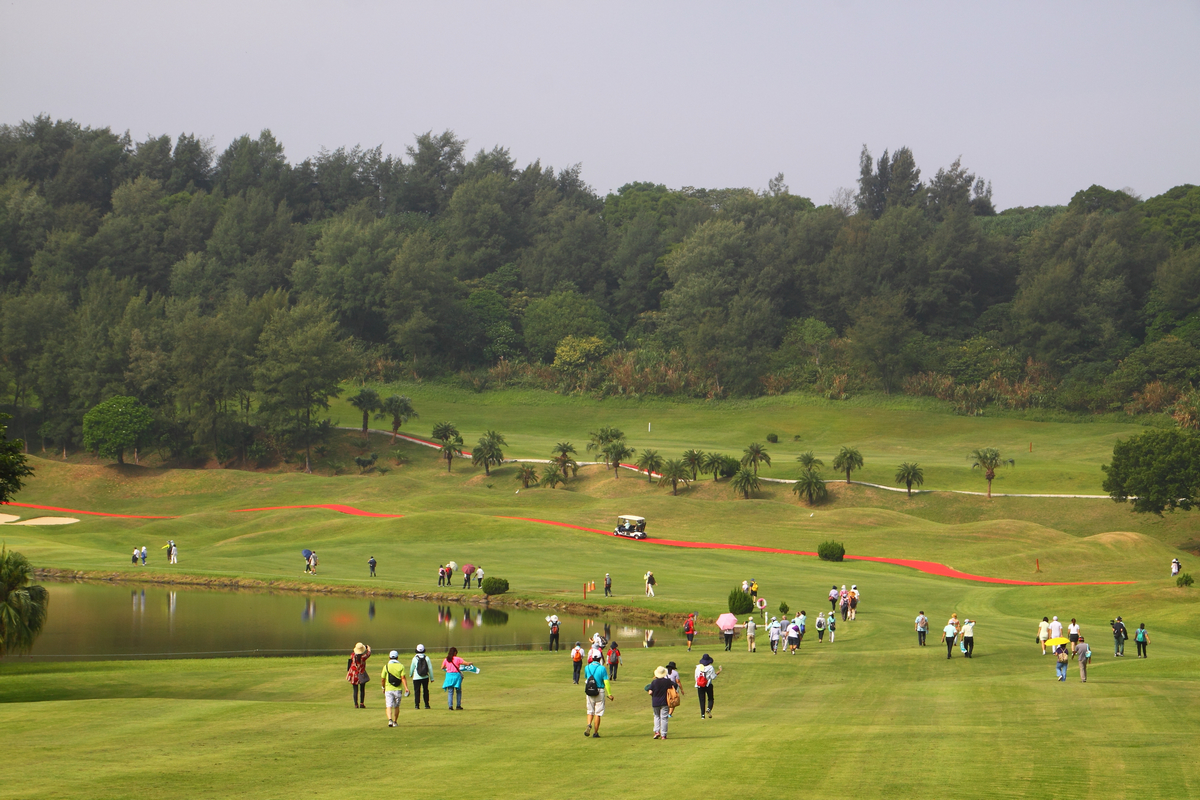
x=651, y=582
x=310, y=563
x=612, y=661
x=1176, y=567
x=789, y=634
x=846, y=600
x=955, y=631
x=446, y=575
x=139, y=554
x=665, y=691
x=750, y=587
x=395, y=677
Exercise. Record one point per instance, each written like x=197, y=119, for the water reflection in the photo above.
x=89, y=621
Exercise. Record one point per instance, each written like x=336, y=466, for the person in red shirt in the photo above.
x=689, y=630
x=614, y=661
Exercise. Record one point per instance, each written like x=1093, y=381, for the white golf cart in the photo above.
x=630, y=526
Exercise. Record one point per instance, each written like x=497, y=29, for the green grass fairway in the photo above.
x=1065, y=459
x=870, y=716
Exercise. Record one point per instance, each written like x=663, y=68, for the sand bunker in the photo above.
x=7, y=518
x=47, y=521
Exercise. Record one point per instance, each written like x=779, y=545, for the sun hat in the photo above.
x=595, y=655
x=660, y=672
x=420, y=648
x=705, y=660
x=394, y=654
x=360, y=648
x=670, y=666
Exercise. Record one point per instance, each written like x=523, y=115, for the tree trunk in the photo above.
x=307, y=441
x=121, y=456
x=395, y=430
x=366, y=421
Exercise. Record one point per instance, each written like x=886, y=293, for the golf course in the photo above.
x=870, y=715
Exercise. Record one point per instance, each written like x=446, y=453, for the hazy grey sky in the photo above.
x=1042, y=98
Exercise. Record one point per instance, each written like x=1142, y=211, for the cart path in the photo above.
x=90, y=513
x=341, y=509
x=928, y=567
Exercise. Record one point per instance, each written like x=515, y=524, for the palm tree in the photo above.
x=649, y=462
x=445, y=431
x=989, y=460
x=601, y=439
x=694, y=460
x=366, y=401
x=527, y=474
x=489, y=451
x=551, y=476
x=451, y=448
x=910, y=474
x=563, y=452
x=674, y=472
x=614, y=453
x=810, y=486
x=713, y=463
x=400, y=409
x=848, y=460
x=23, y=608
x=754, y=455
x=744, y=482
x=809, y=461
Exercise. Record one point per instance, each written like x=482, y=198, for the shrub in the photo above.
x=1184, y=580
x=740, y=602
x=773, y=438
x=784, y=608
x=831, y=551
x=493, y=585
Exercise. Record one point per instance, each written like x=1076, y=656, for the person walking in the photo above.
x=1084, y=654
x=844, y=601
x=453, y=666
x=949, y=633
x=802, y=622
x=442, y=575
x=657, y=689
x=673, y=675
x=831, y=623
x=689, y=630
x=854, y=595
x=1056, y=629
x=174, y=553
x=607, y=585
x=1061, y=658
x=1141, y=639
x=552, y=621
x=1043, y=633
x=968, y=637
x=773, y=634
x=1120, y=634
x=576, y=662
x=614, y=660
x=143, y=555
x=136, y=553
x=793, y=637
x=421, y=670
x=650, y=584
x=751, y=629
x=833, y=600
x=479, y=577
x=371, y=562
x=312, y=562
x=1073, y=631
x=596, y=689
x=820, y=626
x=727, y=633
x=356, y=673
x=1175, y=567
x=393, y=680
x=705, y=677
x=753, y=589
x=921, y=625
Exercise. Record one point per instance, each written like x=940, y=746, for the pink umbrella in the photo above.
x=468, y=569
x=727, y=622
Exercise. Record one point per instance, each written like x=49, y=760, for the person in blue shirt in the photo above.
x=595, y=672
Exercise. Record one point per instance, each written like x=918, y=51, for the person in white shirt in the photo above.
x=793, y=637
x=751, y=628
x=820, y=626
x=1073, y=631
x=773, y=633
x=833, y=598
x=922, y=627
x=948, y=634
x=968, y=636
x=1055, y=628
x=1043, y=633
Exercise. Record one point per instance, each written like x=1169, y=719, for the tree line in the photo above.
x=203, y=283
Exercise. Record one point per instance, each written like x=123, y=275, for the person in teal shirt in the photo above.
x=595, y=705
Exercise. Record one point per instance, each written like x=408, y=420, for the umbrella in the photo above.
x=306, y=552
x=468, y=569
x=1058, y=641
x=727, y=621
x=452, y=565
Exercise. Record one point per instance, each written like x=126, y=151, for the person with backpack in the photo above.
x=614, y=661
x=442, y=575
x=831, y=624
x=552, y=621
x=673, y=675
x=595, y=689
x=833, y=600
x=393, y=681
x=371, y=562
x=854, y=595
x=773, y=634
x=1061, y=659
x=421, y=670
x=1120, y=634
x=706, y=676
x=659, y=703
x=576, y=662
x=1141, y=639
x=356, y=673
x=820, y=626
x=453, y=666
x=921, y=625
x=689, y=629
x=1084, y=653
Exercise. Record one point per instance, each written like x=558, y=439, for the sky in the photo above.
x=1042, y=99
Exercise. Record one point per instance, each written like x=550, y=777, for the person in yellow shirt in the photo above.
x=393, y=679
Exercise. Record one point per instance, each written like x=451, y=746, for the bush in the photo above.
x=831, y=551
x=773, y=438
x=1184, y=580
x=492, y=585
x=740, y=602
x=784, y=609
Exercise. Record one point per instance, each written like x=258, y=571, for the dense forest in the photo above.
x=215, y=288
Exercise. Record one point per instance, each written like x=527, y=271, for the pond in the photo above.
x=125, y=621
